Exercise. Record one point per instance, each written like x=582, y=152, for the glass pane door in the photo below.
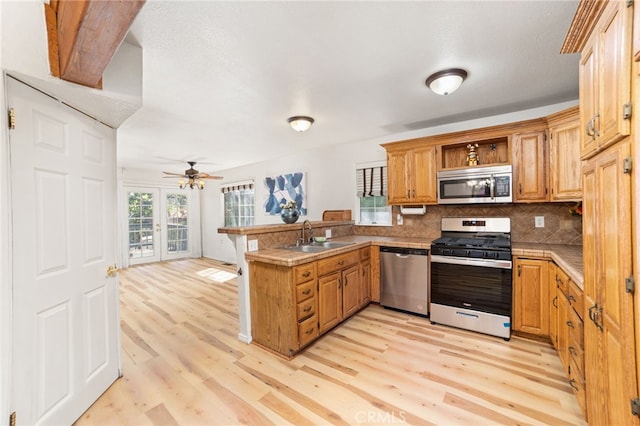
x=176, y=223
x=143, y=226
x=177, y=210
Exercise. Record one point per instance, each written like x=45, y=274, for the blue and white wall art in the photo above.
x=284, y=188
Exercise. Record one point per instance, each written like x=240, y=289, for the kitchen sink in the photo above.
x=316, y=247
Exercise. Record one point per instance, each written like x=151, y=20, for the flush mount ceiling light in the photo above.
x=300, y=123
x=446, y=81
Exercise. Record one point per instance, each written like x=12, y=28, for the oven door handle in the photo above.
x=486, y=263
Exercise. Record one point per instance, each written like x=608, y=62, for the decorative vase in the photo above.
x=289, y=215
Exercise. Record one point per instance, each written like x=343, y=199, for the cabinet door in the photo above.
x=329, y=301
x=365, y=283
x=398, y=176
x=554, y=294
x=565, y=167
x=531, y=296
x=614, y=77
x=588, y=98
x=609, y=331
x=529, y=160
x=424, y=184
x=350, y=291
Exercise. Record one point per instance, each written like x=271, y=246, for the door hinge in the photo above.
x=12, y=419
x=630, y=285
x=626, y=111
x=627, y=165
x=239, y=271
x=635, y=407
x=629, y=3
x=12, y=118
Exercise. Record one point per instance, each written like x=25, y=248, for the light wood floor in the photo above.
x=183, y=365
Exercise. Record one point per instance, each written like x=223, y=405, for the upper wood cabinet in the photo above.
x=565, y=167
x=529, y=167
x=605, y=83
x=411, y=175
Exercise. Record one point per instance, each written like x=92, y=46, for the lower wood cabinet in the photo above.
x=548, y=303
x=292, y=306
x=531, y=296
x=566, y=318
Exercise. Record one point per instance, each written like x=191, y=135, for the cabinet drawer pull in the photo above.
x=309, y=331
x=341, y=263
x=307, y=309
x=571, y=298
x=572, y=383
x=307, y=291
x=554, y=302
x=572, y=351
x=306, y=274
x=570, y=324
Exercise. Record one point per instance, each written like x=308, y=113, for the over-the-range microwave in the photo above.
x=475, y=185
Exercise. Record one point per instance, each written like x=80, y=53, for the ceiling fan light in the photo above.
x=200, y=184
x=181, y=183
x=300, y=123
x=446, y=81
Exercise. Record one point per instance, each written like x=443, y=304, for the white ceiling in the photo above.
x=220, y=79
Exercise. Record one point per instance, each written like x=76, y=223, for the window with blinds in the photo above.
x=371, y=190
x=239, y=204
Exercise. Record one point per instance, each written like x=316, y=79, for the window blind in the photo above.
x=238, y=186
x=371, y=181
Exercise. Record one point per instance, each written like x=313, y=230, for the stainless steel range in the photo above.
x=471, y=275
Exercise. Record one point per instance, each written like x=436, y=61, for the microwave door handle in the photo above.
x=492, y=187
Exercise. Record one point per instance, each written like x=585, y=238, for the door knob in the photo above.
x=112, y=270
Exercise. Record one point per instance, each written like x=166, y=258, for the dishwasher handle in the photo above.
x=404, y=251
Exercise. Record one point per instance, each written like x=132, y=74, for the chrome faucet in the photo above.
x=304, y=241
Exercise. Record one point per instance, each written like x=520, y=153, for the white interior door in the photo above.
x=144, y=237
x=65, y=306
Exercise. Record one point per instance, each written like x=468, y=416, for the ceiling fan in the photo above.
x=193, y=176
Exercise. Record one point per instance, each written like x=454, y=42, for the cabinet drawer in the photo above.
x=304, y=272
x=336, y=263
x=306, y=308
x=577, y=382
x=365, y=254
x=575, y=298
x=576, y=340
x=562, y=280
x=305, y=291
x=308, y=330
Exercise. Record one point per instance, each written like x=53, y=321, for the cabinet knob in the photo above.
x=306, y=274
x=307, y=309
x=307, y=291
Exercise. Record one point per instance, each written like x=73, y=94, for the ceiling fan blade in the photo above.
x=208, y=176
x=173, y=174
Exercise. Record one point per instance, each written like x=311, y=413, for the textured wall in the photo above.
x=560, y=226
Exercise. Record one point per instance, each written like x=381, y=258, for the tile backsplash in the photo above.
x=560, y=226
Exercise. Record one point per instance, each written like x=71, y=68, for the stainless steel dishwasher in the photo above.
x=404, y=279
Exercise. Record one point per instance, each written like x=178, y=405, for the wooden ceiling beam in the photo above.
x=84, y=36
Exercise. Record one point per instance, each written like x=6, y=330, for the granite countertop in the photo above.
x=569, y=258
x=284, y=257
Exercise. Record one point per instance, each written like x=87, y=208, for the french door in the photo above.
x=160, y=224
